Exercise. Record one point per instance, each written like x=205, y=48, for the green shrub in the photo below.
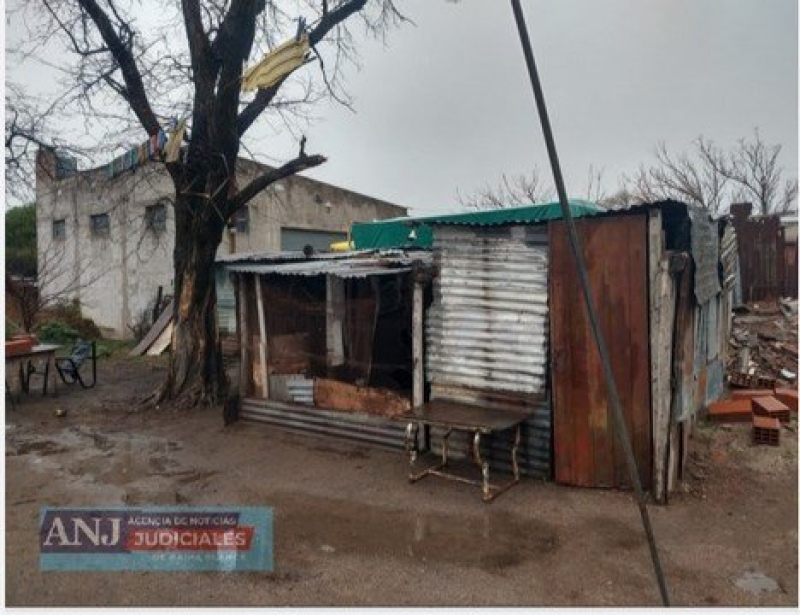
x=56, y=332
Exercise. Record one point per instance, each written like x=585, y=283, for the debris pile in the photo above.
x=766, y=409
x=763, y=345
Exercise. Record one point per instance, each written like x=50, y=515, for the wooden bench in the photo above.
x=478, y=420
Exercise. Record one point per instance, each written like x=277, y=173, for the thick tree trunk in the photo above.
x=196, y=374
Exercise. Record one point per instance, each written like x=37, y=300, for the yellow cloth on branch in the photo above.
x=172, y=149
x=277, y=64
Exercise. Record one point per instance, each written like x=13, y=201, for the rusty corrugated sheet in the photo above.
x=586, y=452
x=729, y=256
x=761, y=257
x=705, y=254
x=487, y=328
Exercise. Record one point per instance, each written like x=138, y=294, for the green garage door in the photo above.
x=297, y=239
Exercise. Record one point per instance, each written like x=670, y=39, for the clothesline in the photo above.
x=157, y=148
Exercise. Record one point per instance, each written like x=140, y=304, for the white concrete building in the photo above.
x=108, y=242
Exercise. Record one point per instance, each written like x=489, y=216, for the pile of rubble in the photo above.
x=763, y=345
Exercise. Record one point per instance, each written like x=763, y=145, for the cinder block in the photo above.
x=788, y=397
x=771, y=407
x=766, y=430
x=751, y=393
x=731, y=411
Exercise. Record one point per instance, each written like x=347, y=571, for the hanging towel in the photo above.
x=276, y=65
x=162, y=140
x=172, y=151
x=154, y=149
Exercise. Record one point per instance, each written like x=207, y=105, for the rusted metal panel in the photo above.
x=705, y=254
x=586, y=452
x=761, y=257
x=487, y=327
x=345, y=397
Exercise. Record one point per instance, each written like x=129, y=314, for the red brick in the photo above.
x=788, y=397
x=766, y=430
x=771, y=407
x=751, y=393
x=731, y=411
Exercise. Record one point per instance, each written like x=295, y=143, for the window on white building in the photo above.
x=155, y=217
x=60, y=229
x=100, y=224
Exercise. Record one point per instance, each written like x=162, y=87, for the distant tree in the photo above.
x=515, y=190
x=713, y=178
x=21, y=241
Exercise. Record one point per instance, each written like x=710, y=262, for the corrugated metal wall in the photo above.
x=534, y=452
x=487, y=327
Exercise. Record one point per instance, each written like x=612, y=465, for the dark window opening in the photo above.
x=100, y=224
x=241, y=220
x=59, y=229
x=155, y=217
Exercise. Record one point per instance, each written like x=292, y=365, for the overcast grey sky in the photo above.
x=446, y=105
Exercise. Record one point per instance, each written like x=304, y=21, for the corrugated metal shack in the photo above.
x=336, y=344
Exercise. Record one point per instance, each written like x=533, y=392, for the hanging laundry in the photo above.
x=172, y=150
x=277, y=64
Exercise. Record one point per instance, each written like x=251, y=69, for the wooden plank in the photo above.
x=161, y=342
x=585, y=450
x=417, y=342
x=661, y=327
x=154, y=332
x=262, y=340
x=334, y=395
x=334, y=320
x=244, y=340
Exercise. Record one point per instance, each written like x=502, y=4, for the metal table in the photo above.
x=475, y=419
x=45, y=352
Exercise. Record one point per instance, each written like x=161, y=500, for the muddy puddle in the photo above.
x=492, y=541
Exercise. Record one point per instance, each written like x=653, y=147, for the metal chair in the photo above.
x=69, y=368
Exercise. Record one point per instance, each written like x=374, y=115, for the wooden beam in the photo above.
x=262, y=339
x=244, y=345
x=417, y=345
x=334, y=320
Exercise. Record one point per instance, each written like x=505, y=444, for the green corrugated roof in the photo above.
x=394, y=233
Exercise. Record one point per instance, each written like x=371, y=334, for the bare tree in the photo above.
x=154, y=72
x=510, y=191
x=712, y=178
x=513, y=190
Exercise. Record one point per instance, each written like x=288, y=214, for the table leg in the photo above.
x=483, y=465
x=52, y=373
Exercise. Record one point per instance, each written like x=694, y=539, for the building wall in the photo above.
x=115, y=275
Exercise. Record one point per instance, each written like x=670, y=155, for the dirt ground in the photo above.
x=351, y=530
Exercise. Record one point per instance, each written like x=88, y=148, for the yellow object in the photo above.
x=342, y=246
x=172, y=149
x=277, y=64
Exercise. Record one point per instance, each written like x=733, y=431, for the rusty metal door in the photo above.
x=585, y=450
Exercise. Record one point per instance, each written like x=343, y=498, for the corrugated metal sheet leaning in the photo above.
x=487, y=327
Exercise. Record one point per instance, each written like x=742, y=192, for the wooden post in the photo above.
x=417, y=341
x=334, y=320
x=244, y=344
x=262, y=339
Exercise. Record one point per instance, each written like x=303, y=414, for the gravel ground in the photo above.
x=351, y=530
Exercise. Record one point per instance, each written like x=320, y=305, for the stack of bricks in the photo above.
x=766, y=430
x=771, y=408
x=765, y=408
